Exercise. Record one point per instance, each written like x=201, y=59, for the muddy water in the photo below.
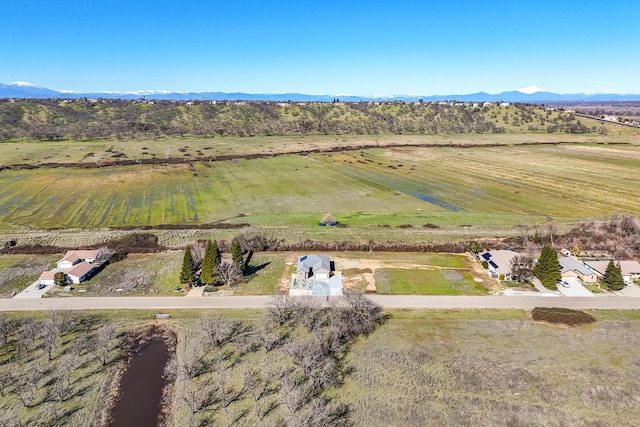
x=140, y=398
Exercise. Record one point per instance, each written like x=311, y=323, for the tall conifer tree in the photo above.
x=210, y=262
x=613, y=277
x=188, y=272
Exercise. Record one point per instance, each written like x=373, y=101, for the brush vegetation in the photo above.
x=50, y=119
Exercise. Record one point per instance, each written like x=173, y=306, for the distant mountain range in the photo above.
x=28, y=90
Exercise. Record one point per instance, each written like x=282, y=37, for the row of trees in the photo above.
x=214, y=269
x=54, y=120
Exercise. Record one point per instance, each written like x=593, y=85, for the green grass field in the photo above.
x=262, y=275
x=449, y=187
x=427, y=282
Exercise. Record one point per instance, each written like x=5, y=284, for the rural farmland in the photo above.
x=487, y=186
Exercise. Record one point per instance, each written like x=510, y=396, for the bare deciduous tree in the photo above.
x=219, y=330
x=282, y=309
x=104, y=254
x=190, y=362
x=524, y=230
x=310, y=314
x=271, y=336
x=521, y=268
x=229, y=273
x=354, y=314
x=196, y=398
x=5, y=379
x=62, y=386
x=551, y=229
x=293, y=395
x=5, y=328
x=27, y=333
x=306, y=354
x=100, y=344
x=50, y=335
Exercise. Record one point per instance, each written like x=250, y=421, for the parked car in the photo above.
x=40, y=286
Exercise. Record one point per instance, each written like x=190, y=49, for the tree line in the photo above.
x=55, y=119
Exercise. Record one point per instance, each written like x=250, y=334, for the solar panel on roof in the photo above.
x=493, y=264
x=486, y=256
x=303, y=258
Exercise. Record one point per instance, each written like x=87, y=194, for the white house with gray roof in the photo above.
x=314, y=276
x=571, y=267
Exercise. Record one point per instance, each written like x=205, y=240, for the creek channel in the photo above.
x=140, y=392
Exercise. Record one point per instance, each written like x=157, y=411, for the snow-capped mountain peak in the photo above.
x=530, y=90
x=22, y=84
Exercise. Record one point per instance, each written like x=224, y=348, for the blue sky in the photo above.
x=322, y=46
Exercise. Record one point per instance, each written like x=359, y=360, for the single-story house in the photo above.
x=630, y=268
x=314, y=276
x=80, y=272
x=72, y=258
x=499, y=262
x=571, y=267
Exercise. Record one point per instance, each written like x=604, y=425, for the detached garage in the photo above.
x=46, y=278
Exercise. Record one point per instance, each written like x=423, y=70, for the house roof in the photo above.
x=316, y=262
x=48, y=275
x=80, y=254
x=628, y=267
x=499, y=260
x=70, y=257
x=80, y=269
x=571, y=264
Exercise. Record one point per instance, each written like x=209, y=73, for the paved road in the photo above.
x=387, y=301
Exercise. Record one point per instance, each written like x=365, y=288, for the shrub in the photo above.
x=501, y=277
x=564, y=316
x=485, y=265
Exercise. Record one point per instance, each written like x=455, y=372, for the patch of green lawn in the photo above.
x=263, y=274
x=426, y=282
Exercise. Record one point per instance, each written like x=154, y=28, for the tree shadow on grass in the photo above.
x=250, y=270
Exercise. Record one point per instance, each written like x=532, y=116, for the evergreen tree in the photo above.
x=210, y=262
x=217, y=255
x=547, y=269
x=236, y=254
x=60, y=279
x=613, y=277
x=188, y=272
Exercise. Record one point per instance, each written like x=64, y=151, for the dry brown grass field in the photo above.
x=420, y=367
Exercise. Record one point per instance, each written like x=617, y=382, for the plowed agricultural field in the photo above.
x=493, y=186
